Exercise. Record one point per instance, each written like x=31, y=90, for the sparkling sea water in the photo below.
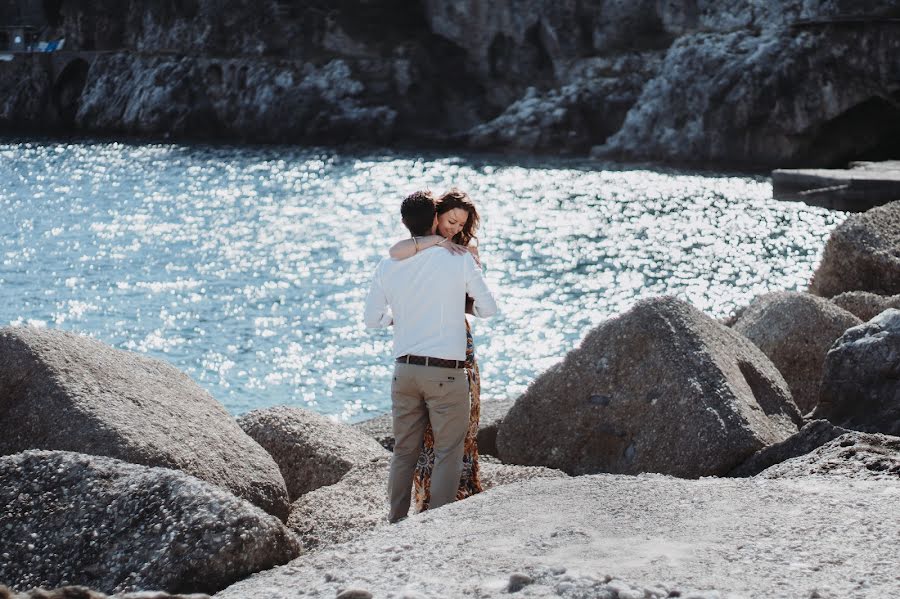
x=247, y=267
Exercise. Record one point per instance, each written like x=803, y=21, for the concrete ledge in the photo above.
x=858, y=188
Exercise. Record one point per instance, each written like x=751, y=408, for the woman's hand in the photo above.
x=454, y=248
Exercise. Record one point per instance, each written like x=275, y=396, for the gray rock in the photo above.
x=71, y=518
x=860, y=388
x=662, y=388
x=27, y=88
x=79, y=592
x=737, y=96
x=381, y=429
x=496, y=474
x=311, y=450
x=865, y=305
x=492, y=413
x=852, y=455
x=813, y=434
x=358, y=502
x=862, y=254
x=247, y=98
x=590, y=107
x=734, y=535
x=795, y=330
x=68, y=392
x=342, y=511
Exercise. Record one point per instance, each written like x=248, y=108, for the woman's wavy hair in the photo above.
x=456, y=198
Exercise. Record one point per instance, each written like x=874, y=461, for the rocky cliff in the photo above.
x=742, y=82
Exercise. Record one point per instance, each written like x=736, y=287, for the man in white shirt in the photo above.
x=424, y=297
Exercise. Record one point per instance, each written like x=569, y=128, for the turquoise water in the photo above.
x=247, y=267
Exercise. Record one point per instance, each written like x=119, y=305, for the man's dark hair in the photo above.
x=418, y=212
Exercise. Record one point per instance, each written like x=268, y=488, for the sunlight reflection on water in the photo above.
x=247, y=267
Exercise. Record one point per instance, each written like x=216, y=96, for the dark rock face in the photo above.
x=662, y=388
x=67, y=392
x=852, y=455
x=311, y=450
x=94, y=521
x=571, y=118
x=741, y=81
x=865, y=305
x=247, y=99
x=813, y=434
x=860, y=388
x=795, y=330
x=862, y=254
x=26, y=93
x=764, y=97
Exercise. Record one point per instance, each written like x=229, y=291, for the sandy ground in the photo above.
x=808, y=537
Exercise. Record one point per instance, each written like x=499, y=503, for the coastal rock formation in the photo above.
x=862, y=254
x=78, y=592
x=813, y=434
x=311, y=450
x=570, y=118
x=341, y=511
x=860, y=389
x=358, y=502
x=739, y=96
x=71, y=518
x=712, y=401
x=238, y=98
x=566, y=537
x=68, y=392
x=853, y=455
x=864, y=304
x=795, y=330
x=738, y=82
x=26, y=85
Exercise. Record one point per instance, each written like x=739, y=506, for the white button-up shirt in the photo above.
x=425, y=296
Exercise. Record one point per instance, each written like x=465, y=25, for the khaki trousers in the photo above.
x=420, y=394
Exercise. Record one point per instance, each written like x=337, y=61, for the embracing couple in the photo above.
x=425, y=290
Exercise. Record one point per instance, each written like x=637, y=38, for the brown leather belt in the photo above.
x=427, y=361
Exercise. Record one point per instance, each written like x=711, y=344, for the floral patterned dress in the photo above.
x=470, y=479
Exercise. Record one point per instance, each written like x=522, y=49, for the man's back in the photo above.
x=426, y=294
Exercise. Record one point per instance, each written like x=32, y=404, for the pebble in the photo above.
x=354, y=594
x=518, y=581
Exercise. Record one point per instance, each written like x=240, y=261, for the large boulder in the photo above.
x=852, y=455
x=340, y=512
x=68, y=392
x=861, y=381
x=358, y=503
x=795, y=330
x=862, y=254
x=660, y=536
x=71, y=518
x=864, y=304
x=662, y=388
x=79, y=592
x=814, y=434
x=311, y=450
